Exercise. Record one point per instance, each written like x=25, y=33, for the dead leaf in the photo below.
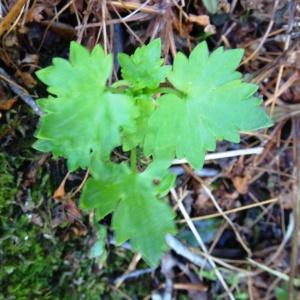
x=71, y=210
x=35, y=14
x=211, y=29
x=77, y=6
x=79, y=231
x=2, y=93
x=202, y=20
x=32, y=59
x=64, y=30
x=60, y=193
x=287, y=199
x=27, y=78
x=37, y=220
x=11, y=17
x=7, y=104
x=30, y=175
x=223, y=6
x=241, y=184
x=10, y=41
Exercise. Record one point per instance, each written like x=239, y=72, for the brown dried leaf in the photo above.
x=27, y=78
x=72, y=211
x=11, y=17
x=2, y=93
x=202, y=20
x=7, y=104
x=79, y=231
x=211, y=29
x=241, y=184
x=60, y=193
x=30, y=59
x=30, y=175
x=35, y=14
x=77, y=5
x=287, y=199
x=37, y=220
x=62, y=29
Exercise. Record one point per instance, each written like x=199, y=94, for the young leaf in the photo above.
x=132, y=139
x=215, y=105
x=139, y=215
x=144, y=68
x=84, y=118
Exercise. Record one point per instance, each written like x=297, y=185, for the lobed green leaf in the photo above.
x=139, y=215
x=144, y=69
x=133, y=138
x=83, y=118
x=83, y=121
x=215, y=105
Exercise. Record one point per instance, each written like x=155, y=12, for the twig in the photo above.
x=126, y=25
x=132, y=275
x=292, y=9
x=104, y=31
x=136, y=10
x=204, y=172
x=265, y=71
x=226, y=154
x=278, y=274
x=137, y=17
x=184, y=251
x=252, y=55
x=79, y=188
x=13, y=14
x=137, y=6
x=284, y=87
x=237, y=234
x=64, y=8
x=230, y=211
x=21, y=92
x=295, y=242
x=201, y=243
x=189, y=286
x=286, y=238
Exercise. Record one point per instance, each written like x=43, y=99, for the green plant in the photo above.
x=156, y=113
x=7, y=185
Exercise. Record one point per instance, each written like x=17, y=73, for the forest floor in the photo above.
x=48, y=248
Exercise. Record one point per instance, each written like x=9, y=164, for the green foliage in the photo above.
x=215, y=105
x=36, y=267
x=85, y=117
x=84, y=120
x=132, y=139
x=281, y=293
x=144, y=68
x=7, y=182
x=134, y=199
x=25, y=267
x=33, y=265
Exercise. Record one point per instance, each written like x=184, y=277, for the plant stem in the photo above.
x=133, y=159
x=120, y=83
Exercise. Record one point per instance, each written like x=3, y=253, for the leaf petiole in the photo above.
x=133, y=160
x=120, y=83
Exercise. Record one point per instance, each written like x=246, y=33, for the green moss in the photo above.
x=26, y=267
x=7, y=182
x=39, y=262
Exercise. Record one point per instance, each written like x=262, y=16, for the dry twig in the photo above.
x=201, y=244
